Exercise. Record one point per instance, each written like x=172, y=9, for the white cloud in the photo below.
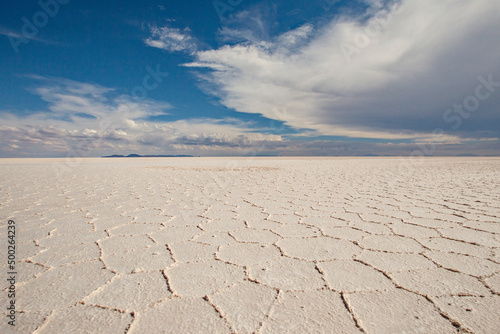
x=251, y=24
x=295, y=36
x=17, y=36
x=404, y=67
x=171, y=39
x=418, y=62
x=118, y=124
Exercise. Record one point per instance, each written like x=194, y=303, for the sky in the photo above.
x=249, y=78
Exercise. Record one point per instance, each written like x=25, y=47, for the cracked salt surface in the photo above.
x=272, y=246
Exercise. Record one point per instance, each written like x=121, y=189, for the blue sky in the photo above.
x=231, y=77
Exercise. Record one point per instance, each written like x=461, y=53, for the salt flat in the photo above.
x=243, y=245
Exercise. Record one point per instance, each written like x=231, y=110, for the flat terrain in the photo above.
x=267, y=245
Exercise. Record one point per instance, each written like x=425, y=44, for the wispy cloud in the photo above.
x=9, y=33
x=296, y=36
x=246, y=25
x=18, y=36
x=172, y=39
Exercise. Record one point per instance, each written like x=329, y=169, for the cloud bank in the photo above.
x=390, y=73
x=380, y=82
x=90, y=120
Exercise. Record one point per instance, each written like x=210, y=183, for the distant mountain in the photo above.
x=147, y=156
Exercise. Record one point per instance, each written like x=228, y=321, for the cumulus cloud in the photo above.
x=85, y=119
x=390, y=73
x=171, y=39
